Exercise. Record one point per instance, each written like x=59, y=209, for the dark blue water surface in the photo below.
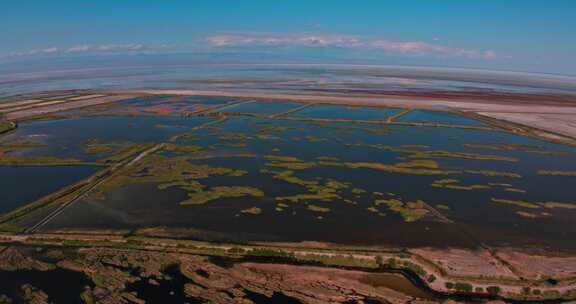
x=21, y=185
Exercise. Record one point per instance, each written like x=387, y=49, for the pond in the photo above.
x=249, y=178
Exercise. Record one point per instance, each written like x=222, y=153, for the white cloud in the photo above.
x=312, y=40
x=283, y=39
x=419, y=48
x=88, y=48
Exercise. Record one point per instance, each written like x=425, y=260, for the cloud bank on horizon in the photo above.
x=255, y=41
x=420, y=48
x=516, y=35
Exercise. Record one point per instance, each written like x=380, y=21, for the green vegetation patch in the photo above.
x=557, y=173
x=175, y=172
x=402, y=169
x=182, y=149
x=555, y=205
x=287, y=162
x=326, y=191
x=39, y=161
x=410, y=211
x=124, y=151
x=517, y=147
x=420, y=152
x=6, y=126
x=462, y=155
x=253, y=210
x=518, y=203
x=491, y=173
x=203, y=197
x=452, y=185
x=318, y=209
x=536, y=205
x=419, y=163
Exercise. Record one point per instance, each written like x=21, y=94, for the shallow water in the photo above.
x=66, y=138
x=475, y=217
x=344, y=112
x=62, y=286
x=22, y=185
x=262, y=107
x=438, y=117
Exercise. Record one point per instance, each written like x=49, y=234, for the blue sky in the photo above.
x=527, y=35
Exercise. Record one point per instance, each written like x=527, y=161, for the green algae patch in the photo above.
x=419, y=163
x=326, y=191
x=125, y=152
x=291, y=165
x=517, y=147
x=491, y=173
x=182, y=149
x=555, y=205
x=421, y=153
x=287, y=162
x=410, y=211
x=120, y=150
x=557, y=173
x=168, y=172
x=253, y=211
x=231, y=136
x=515, y=190
x=6, y=126
x=453, y=186
x=518, y=203
x=446, y=181
x=318, y=209
x=40, y=161
x=387, y=168
x=527, y=215
x=284, y=159
x=203, y=197
x=358, y=191
x=189, y=185
x=536, y=205
x=98, y=149
x=462, y=155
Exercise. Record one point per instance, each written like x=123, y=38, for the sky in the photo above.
x=517, y=35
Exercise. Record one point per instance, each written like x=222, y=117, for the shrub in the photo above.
x=493, y=290
x=463, y=287
x=270, y=253
x=236, y=250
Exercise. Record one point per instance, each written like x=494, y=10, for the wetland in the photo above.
x=240, y=171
